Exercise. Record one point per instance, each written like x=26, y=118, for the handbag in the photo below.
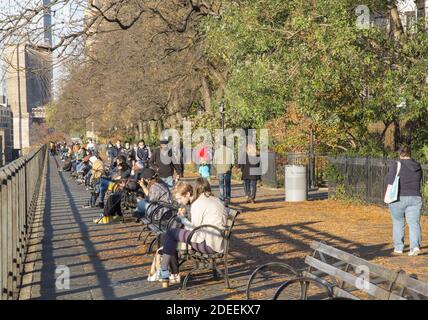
x=391, y=193
x=156, y=265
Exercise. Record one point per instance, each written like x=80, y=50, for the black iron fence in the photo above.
x=363, y=178
x=19, y=187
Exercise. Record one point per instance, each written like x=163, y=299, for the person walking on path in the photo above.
x=223, y=162
x=250, y=173
x=409, y=204
x=203, y=160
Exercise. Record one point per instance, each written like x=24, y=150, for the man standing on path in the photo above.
x=163, y=164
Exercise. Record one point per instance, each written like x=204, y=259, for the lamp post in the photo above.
x=312, y=161
x=222, y=111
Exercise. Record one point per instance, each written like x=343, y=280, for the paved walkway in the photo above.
x=104, y=261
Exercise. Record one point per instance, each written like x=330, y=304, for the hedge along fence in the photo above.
x=364, y=179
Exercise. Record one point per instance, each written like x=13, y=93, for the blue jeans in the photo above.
x=408, y=208
x=169, y=181
x=224, y=185
x=142, y=206
x=250, y=188
x=73, y=165
x=88, y=178
x=104, y=183
x=79, y=167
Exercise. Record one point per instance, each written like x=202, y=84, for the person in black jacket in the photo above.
x=129, y=153
x=143, y=153
x=112, y=153
x=409, y=203
x=250, y=173
x=162, y=161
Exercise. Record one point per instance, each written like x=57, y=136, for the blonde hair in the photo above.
x=182, y=188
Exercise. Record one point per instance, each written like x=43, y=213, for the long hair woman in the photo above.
x=204, y=209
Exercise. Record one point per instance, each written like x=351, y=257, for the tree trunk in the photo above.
x=397, y=135
x=160, y=126
x=140, y=130
x=395, y=21
x=206, y=94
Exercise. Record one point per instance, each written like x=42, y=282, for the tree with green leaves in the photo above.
x=312, y=54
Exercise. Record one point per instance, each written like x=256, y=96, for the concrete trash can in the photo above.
x=296, y=187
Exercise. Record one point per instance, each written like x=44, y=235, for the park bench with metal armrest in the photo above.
x=210, y=261
x=160, y=226
x=344, y=276
x=152, y=209
x=158, y=219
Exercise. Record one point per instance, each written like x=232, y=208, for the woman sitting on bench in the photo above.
x=205, y=209
x=155, y=190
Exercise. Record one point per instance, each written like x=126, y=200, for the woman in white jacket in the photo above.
x=204, y=209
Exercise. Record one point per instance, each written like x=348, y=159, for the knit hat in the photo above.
x=148, y=173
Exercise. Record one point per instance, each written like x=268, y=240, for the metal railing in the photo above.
x=19, y=188
x=363, y=178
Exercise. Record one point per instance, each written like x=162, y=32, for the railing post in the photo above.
x=8, y=230
x=367, y=179
x=3, y=234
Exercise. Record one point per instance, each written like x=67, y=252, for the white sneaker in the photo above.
x=174, y=279
x=414, y=252
x=398, y=251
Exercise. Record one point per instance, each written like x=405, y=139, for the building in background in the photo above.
x=28, y=75
x=28, y=79
x=6, y=132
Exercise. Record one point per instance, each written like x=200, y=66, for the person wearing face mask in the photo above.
x=120, y=148
x=128, y=152
x=143, y=153
x=112, y=153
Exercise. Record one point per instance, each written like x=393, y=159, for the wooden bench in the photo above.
x=352, y=277
x=210, y=261
x=341, y=275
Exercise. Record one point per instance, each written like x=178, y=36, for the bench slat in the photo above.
x=338, y=292
x=382, y=272
x=372, y=289
x=414, y=285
